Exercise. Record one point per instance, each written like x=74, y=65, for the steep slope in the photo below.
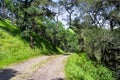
x=14, y=48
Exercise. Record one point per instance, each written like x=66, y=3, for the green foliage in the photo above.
x=14, y=49
x=96, y=40
x=79, y=67
x=72, y=40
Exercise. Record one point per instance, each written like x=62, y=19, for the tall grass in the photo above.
x=14, y=49
x=79, y=67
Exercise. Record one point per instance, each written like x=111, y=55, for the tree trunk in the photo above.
x=17, y=15
x=4, y=11
x=111, y=24
x=31, y=42
x=25, y=19
x=70, y=24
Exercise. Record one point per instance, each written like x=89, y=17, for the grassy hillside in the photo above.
x=14, y=48
x=79, y=67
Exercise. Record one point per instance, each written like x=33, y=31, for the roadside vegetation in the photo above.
x=80, y=67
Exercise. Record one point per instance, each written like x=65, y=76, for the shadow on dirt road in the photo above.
x=7, y=74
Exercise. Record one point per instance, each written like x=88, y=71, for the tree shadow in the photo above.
x=7, y=74
x=10, y=31
x=46, y=47
x=66, y=54
x=10, y=28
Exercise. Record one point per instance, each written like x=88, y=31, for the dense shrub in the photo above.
x=97, y=40
x=104, y=46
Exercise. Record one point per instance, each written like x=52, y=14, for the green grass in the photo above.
x=79, y=67
x=14, y=48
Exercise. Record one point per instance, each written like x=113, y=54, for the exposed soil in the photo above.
x=53, y=70
x=40, y=68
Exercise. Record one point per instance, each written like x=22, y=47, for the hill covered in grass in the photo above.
x=80, y=67
x=14, y=48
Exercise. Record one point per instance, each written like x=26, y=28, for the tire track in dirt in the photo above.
x=40, y=68
x=53, y=70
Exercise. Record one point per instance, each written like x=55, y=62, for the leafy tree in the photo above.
x=69, y=6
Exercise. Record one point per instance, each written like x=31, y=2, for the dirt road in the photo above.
x=40, y=68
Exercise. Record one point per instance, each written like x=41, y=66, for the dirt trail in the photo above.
x=40, y=68
x=53, y=70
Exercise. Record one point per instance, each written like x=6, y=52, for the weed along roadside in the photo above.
x=79, y=67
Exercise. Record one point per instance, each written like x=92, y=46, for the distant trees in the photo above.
x=3, y=5
x=103, y=11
